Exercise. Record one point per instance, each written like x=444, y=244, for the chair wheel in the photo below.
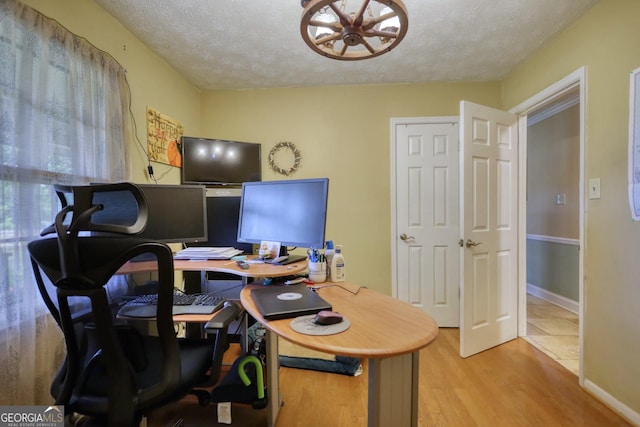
x=204, y=397
x=259, y=403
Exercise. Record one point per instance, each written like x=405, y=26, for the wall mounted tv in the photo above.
x=220, y=162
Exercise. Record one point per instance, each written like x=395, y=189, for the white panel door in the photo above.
x=489, y=205
x=427, y=219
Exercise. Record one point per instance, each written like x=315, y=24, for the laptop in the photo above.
x=282, y=302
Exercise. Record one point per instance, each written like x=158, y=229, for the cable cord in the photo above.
x=318, y=287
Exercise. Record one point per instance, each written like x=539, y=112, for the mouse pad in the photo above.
x=306, y=325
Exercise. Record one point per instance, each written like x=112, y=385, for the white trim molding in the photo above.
x=545, y=113
x=575, y=80
x=559, y=300
x=553, y=239
x=620, y=408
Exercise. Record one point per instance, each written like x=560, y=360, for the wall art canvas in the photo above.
x=164, y=138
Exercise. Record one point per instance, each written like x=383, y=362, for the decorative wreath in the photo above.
x=296, y=158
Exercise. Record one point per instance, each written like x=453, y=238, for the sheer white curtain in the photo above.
x=63, y=119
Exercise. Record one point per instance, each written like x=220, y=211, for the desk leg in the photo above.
x=393, y=391
x=193, y=285
x=274, y=399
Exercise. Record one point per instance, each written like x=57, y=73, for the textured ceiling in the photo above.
x=238, y=44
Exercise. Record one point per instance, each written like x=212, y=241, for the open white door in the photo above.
x=489, y=228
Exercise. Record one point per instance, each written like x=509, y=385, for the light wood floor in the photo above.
x=514, y=384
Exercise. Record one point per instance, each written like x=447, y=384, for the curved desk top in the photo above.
x=381, y=326
x=222, y=266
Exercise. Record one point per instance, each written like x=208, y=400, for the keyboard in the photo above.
x=145, y=305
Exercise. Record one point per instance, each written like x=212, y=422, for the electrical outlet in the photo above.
x=224, y=413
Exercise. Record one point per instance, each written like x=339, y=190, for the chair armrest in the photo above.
x=223, y=318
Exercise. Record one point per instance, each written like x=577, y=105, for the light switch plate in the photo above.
x=594, y=188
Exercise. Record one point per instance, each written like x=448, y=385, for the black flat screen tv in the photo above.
x=220, y=162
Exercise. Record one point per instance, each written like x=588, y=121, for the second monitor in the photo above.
x=292, y=212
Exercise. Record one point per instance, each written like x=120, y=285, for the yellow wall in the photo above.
x=343, y=133
x=606, y=40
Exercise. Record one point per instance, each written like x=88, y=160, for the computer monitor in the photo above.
x=177, y=213
x=292, y=212
x=223, y=208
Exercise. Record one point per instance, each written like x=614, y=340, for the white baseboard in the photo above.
x=556, y=299
x=615, y=405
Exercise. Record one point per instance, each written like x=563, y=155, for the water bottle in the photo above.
x=337, y=265
x=328, y=256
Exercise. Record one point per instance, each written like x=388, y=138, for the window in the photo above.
x=63, y=119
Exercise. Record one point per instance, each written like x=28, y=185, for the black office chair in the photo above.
x=112, y=373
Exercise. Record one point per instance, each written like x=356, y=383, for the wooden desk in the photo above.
x=386, y=331
x=221, y=266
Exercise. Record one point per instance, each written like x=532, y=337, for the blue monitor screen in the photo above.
x=292, y=212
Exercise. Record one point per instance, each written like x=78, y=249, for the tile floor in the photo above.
x=553, y=330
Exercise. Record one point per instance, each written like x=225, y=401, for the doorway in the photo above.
x=567, y=92
x=553, y=238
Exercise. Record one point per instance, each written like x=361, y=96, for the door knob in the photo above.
x=469, y=243
x=406, y=238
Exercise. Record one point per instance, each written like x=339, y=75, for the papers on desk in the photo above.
x=207, y=252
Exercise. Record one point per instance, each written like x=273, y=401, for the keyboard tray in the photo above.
x=145, y=305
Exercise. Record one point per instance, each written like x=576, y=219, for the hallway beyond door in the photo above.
x=554, y=331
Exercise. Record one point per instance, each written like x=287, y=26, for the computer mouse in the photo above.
x=326, y=317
